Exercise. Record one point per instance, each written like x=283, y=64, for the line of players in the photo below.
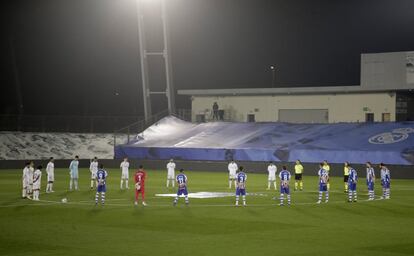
x=350, y=181
x=32, y=180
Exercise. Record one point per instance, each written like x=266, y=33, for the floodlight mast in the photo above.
x=144, y=55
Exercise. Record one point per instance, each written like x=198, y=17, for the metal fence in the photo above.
x=57, y=123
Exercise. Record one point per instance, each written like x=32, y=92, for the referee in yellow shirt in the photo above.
x=298, y=175
x=327, y=168
x=346, y=176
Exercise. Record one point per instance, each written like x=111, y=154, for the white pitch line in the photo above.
x=91, y=203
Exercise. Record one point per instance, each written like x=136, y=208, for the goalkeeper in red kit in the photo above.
x=140, y=176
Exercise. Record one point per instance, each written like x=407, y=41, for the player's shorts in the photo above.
x=370, y=186
x=124, y=175
x=93, y=175
x=346, y=177
x=170, y=177
x=240, y=191
x=271, y=178
x=74, y=175
x=298, y=176
x=182, y=191
x=101, y=188
x=352, y=186
x=385, y=184
x=25, y=183
x=36, y=186
x=50, y=178
x=323, y=187
x=284, y=190
x=232, y=176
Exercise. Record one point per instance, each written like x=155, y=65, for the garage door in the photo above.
x=304, y=115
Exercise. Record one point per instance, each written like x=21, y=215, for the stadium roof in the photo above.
x=289, y=90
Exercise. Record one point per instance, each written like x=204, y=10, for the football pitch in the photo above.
x=212, y=226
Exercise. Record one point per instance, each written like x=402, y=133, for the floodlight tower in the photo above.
x=144, y=55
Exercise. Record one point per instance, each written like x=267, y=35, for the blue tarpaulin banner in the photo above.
x=391, y=142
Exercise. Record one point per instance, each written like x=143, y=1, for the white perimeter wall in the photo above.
x=342, y=107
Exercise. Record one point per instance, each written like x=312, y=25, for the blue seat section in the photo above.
x=391, y=143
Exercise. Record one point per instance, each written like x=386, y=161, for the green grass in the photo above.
x=207, y=226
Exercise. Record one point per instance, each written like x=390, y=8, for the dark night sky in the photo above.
x=73, y=55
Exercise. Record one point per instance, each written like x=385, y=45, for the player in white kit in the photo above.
x=50, y=170
x=25, y=180
x=93, y=168
x=171, y=173
x=124, y=173
x=232, y=167
x=271, y=169
x=29, y=176
x=37, y=178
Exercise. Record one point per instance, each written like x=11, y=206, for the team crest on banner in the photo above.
x=394, y=136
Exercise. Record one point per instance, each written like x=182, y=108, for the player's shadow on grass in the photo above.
x=95, y=209
x=12, y=201
x=305, y=211
x=381, y=207
x=19, y=208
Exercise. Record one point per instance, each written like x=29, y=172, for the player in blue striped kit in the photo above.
x=352, y=184
x=182, y=187
x=370, y=181
x=241, y=178
x=385, y=181
x=101, y=176
x=323, y=183
x=284, y=176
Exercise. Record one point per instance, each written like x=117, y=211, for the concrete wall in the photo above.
x=342, y=107
x=385, y=70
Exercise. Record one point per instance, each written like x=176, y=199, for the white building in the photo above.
x=386, y=93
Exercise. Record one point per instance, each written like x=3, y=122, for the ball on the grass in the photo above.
x=64, y=200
